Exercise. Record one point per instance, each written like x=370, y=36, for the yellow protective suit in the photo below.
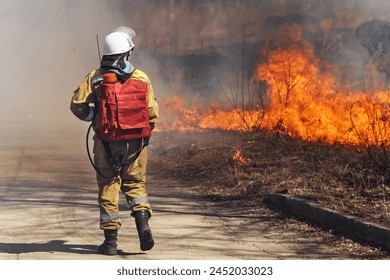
x=132, y=177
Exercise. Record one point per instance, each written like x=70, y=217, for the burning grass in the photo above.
x=300, y=131
x=244, y=167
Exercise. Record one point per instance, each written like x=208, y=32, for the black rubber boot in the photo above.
x=144, y=232
x=109, y=246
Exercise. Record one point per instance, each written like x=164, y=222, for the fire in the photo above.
x=303, y=100
x=177, y=117
x=237, y=157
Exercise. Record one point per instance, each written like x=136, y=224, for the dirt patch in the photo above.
x=238, y=170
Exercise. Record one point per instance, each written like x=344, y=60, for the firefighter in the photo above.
x=120, y=164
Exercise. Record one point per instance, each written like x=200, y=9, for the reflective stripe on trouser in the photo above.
x=131, y=182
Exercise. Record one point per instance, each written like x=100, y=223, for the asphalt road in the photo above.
x=48, y=210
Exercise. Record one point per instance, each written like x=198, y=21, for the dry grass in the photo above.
x=337, y=177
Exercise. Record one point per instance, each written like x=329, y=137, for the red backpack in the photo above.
x=123, y=109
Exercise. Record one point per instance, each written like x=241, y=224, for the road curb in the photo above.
x=349, y=225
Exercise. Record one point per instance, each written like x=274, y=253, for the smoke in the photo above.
x=48, y=48
x=184, y=46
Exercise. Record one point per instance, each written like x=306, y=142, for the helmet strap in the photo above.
x=127, y=55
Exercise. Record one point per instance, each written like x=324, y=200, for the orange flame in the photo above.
x=177, y=117
x=302, y=101
x=237, y=157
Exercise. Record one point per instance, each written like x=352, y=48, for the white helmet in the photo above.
x=129, y=32
x=116, y=43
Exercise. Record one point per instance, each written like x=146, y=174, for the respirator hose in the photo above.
x=89, y=153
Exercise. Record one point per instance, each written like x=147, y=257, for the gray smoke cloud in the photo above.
x=48, y=48
x=50, y=45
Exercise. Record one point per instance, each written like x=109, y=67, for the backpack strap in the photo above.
x=97, y=79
